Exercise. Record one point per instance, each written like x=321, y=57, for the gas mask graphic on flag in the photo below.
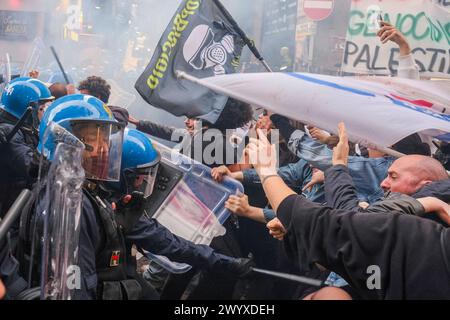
x=202, y=52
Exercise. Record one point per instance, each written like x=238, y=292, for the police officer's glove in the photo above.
x=129, y=210
x=131, y=202
x=242, y=267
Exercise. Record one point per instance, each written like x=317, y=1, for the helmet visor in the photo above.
x=103, y=148
x=142, y=179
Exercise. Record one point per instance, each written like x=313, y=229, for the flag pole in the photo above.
x=242, y=34
x=230, y=93
x=290, y=277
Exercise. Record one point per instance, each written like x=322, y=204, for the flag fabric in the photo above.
x=377, y=111
x=200, y=41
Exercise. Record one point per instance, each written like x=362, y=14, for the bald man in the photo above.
x=410, y=173
x=406, y=176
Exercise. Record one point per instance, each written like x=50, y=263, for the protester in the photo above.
x=352, y=244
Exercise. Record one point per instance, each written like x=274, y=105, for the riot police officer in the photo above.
x=18, y=163
x=18, y=160
x=139, y=168
x=106, y=234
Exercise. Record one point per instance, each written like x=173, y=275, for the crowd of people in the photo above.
x=365, y=224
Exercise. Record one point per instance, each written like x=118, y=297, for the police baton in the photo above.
x=19, y=124
x=14, y=212
x=59, y=64
x=290, y=277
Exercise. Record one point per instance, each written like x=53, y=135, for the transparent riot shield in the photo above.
x=61, y=216
x=33, y=59
x=188, y=202
x=6, y=68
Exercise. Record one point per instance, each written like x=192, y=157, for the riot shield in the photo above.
x=61, y=214
x=7, y=73
x=188, y=202
x=34, y=57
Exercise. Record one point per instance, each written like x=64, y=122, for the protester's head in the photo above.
x=235, y=114
x=58, y=90
x=80, y=120
x=264, y=123
x=412, y=145
x=410, y=173
x=97, y=87
x=190, y=125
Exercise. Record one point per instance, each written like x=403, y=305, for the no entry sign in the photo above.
x=318, y=9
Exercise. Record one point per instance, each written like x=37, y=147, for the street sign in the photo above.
x=318, y=10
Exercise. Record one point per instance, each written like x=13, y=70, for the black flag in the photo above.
x=200, y=41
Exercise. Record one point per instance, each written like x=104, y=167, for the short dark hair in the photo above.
x=58, y=90
x=235, y=114
x=97, y=87
x=412, y=145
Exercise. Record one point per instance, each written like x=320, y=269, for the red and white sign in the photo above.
x=318, y=10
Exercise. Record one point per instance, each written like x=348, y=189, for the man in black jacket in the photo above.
x=381, y=256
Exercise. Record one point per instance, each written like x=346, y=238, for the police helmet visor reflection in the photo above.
x=103, y=148
x=142, y=179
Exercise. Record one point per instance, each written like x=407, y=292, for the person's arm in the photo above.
x=157, y=130
x=263, y=157
x=23, y=160
x=397, y=202
x=239, y=205
x=150, y=235
x=407, y=67
x=340, y=191
x=348, y=243
x=435, y=205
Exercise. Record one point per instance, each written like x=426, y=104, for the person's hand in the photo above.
x=435, y=205
x=389, y=33
x=130, y=201
x=133, y=120
x=340, y=152
x=238, y=205
x=2, y=290
x=71, y=89
x=444, y=213
x=262, y=155
x=219, y=172
x=129, y=209
x=276, y=229
x=317, y=177
x=242, y=267
x=363, y=205
x=34, y=74
x=318, y=134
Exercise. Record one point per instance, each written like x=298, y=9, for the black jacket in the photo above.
x=411, y=254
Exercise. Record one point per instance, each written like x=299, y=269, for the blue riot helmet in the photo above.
x=140, y=162
x=22, y=92
x=90, y=121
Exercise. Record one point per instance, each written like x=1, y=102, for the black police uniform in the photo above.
x=19, y=161
x=109, y=270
